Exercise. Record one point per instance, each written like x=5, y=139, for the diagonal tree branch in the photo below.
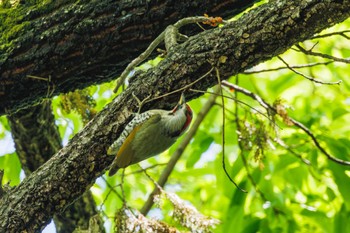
x=262, y=33
x=36, y=139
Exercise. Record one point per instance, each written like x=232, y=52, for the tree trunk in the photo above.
x=257, y=36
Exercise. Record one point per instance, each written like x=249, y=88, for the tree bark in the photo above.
x=67, y=45
x=257, y=36
x=36, y=139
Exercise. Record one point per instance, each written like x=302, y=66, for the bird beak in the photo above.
x=182, y=99
x=181, y=102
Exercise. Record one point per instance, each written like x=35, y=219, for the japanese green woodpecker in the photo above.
x=149, y=134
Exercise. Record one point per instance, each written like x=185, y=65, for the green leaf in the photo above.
x=342, y=220
x=12, y=168
x=199, y=146
x=342, y=181
x=252, y=226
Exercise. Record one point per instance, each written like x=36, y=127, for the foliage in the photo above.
x=292, y=186
x=79, y=101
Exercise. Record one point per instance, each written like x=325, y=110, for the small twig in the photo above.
x=111, y=190
x=307, y=77
x=37, y=77
x=223, y=132
x=177, y=154
x=236, y=100
x=146, y=169
x=200, y=26
x=303, y=160
x=286, y=147
x=182, y=88
x=262, y=102
x=283, y=67
x=122, y=187
x=308, y=132
x=340, y=33
x=316, y=54
x=151, y=179
x=296, y=123
x=195, y=19
x=139, y=102
x=49, y=93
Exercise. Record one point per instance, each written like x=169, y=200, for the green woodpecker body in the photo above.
x=149, y=134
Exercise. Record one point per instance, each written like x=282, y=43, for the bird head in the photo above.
x=183, y=108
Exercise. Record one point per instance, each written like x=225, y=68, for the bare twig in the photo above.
x=262, y=102
x=177, y=154
x=314, y=139
x=122, y=188
x=160, y=188
x=38, y=78
x=236, y=100
x=296, y=123
x=183, y=88
x=112, y=189
x=286, y=147
x=284, y=67
x=340, y=33
x=223, y=132
x=146, y=168
x=317, y=54
x=48, y=80
x=307, y=77
x=303, y=160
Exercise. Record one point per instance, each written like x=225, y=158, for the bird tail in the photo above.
x=113, y=169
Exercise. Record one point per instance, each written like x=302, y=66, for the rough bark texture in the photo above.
x=257, y=36
x=36, y=139
x=72, y=45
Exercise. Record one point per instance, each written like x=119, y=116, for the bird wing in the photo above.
x=122, y=146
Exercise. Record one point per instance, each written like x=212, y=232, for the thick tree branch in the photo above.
x=72, y=45
x=323, y=55
x=264, y=32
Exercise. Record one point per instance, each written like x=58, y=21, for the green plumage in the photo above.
x=149, y=134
